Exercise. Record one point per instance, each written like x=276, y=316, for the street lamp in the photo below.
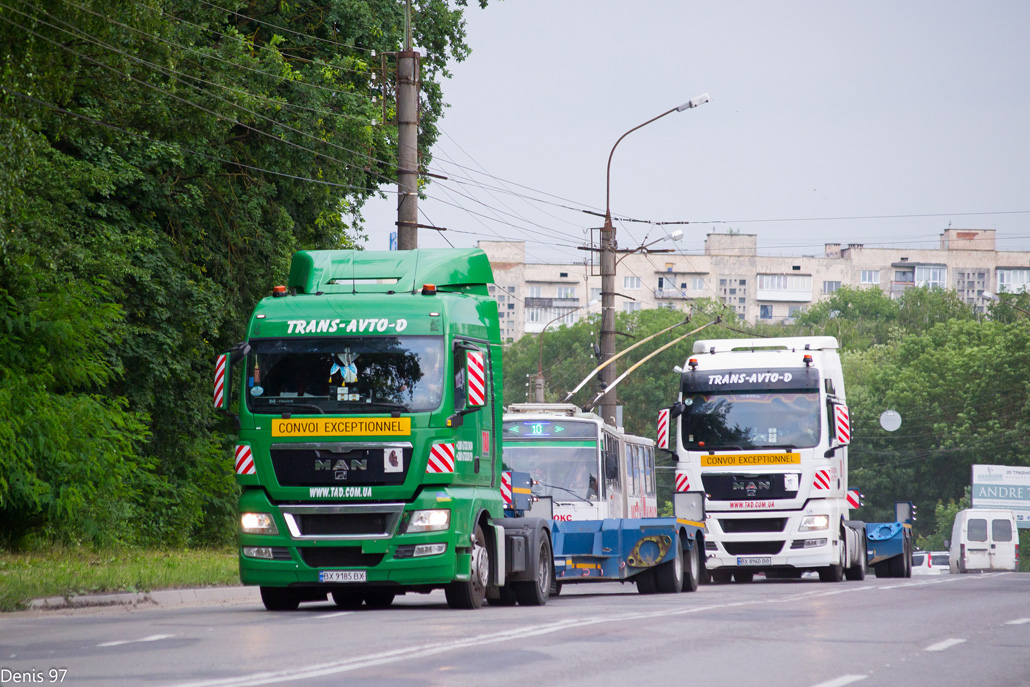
x=539, y=386
x=994, y=297
x=608, y=244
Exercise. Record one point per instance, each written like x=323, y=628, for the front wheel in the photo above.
x=470, y=593
x=834, y=573
x=857, y=572
x=743, y=576
x=378, y=598
x=348, y=600
x=280, y=598
x=536, y=592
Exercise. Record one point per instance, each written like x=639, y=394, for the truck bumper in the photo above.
x=761, y=540
x=282, y=560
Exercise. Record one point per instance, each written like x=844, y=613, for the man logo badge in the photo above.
x=340, y=468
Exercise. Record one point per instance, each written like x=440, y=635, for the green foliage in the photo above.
x=159, y=163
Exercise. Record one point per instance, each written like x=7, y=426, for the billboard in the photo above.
x=1003, y=486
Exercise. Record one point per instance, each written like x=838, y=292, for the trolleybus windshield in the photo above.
x=561, y=456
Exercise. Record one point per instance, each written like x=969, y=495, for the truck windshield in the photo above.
x=782, y=419
x=564, y=472
x=345, y=374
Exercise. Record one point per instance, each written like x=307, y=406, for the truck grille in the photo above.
x=353, y=521
x=340, y=463
x=338, y=557
x=753, y=525
x=753, y=548
x=744, y=487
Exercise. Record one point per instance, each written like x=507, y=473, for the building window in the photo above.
x=536, y=291
x=733, y=292
x=534, y=315
x=794, y=310
x=830, y=286
x=932, y=276
x=904, y=276
x=697, y=284
x=566, y=292
x=631, y=283
x=511, y=289
x=563, y=275
x=765, y=312
x=511, y=306
x=595, y=294
x=1013, y=281
x=871, y=277
x=631, y=306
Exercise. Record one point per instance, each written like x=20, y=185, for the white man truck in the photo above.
x=763, y=429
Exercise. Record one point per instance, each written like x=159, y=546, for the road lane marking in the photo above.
x=1021, y=621
x=946, y=644
x=331, y=615
x=841, y=681
x=151, y=638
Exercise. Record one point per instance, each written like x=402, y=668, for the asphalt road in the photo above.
x=951, y=630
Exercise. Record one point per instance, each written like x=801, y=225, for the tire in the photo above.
x=669, y=575
x=743, y=576
x=535, y=592
x=857, y=572
x=883, y=569
x=834, y=573
x=721, y=576
x=348, y=600
x=379, y=598
x=693, y=568
x=280, y=598
x=506, y=597
x=470, y=594
x=646, y=582
x=908, y=559
x=897, y=566
x=556, y=588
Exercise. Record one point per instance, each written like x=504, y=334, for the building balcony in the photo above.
x=670, y=293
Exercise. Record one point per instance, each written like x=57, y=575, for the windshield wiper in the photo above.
x=385, y=404
x=299, y=405
x=551, y=486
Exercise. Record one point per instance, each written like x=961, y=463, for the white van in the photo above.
x=984, y=539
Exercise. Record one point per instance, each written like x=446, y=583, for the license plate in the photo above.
x=754, y=560
x=342, y=576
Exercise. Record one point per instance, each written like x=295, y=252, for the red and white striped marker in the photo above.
x=506, y=487
x=220, y=364
x=663, y=428
x=822, y=479
x=854, y=498
x=244, y=461
x=682, y=481
x=842, y=420
x=477, y=378
x=441, y=459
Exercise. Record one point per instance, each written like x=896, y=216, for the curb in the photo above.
x=160, y=597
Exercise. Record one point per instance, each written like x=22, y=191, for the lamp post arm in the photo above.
x=608, y=176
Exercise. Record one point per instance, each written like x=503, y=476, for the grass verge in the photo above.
x=69, y=572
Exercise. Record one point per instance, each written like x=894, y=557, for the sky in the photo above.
x=873, y=122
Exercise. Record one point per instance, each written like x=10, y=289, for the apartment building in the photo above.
x=758, y=288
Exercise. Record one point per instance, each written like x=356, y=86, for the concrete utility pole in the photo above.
x=407, y=141
x=608, y=249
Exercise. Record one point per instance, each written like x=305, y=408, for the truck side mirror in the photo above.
x=663, y=429
x=841, y=424
x=689, y=505
x=476, y=367
x=222, y=382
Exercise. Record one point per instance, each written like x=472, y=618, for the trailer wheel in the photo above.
x=669, y=575
x=897, y=565
x=693, y=577
x=721, y=576
x=379, y=598
x=470, y=593
x=646, y=583
x=883, y=569
x=348, y=600
x=743, y=576
x=535, y=592
x=280, y=598
x=506, y=597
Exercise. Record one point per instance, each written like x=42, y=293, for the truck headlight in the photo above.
x=814, y=522
x=257, y=523
x=436, y=520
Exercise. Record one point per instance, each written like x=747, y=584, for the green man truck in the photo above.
x=367, y=396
